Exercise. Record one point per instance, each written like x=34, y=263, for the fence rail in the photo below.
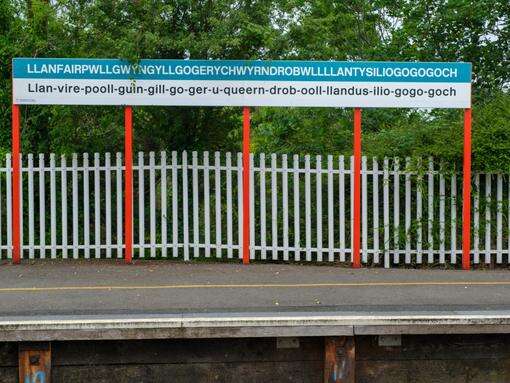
x=189, y=205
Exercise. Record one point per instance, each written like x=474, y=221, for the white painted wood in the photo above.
x=252, y=207
x=386, y=211
x=22, y=211
x=396, y=210
x=164, y=204
x=318, y=208
x=430, y=212
x=419, y=214
x=63, y=201
x=331, y=228
x=262, y=197
x=141, y=205
x=86, y=211
x=308, y=210
x=499, y=219
x=285, y=207
x=453, y=219
x=42, y=205
x=175, y=212
x=408, y=210
x=120, y=226
x=217, y=199
x=375, y=208
x=476, y=220
x=152, y=202
x=196, y=217
x=207, y=209
x=364, y=211
x=185, y=207
x=351, y=187
x=488, y=200
x=228, y=166
x=74, y=164
x=97, y=206
x=297, y=218
x=341, y=203
x=8, y=192
x=53, y=207
x=442, y=198
x=240, y=204
x=108, y=204
x=30, y=158
x=274, y=209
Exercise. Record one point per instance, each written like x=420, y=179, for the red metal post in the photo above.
x=246, y=185
x=357, y=190
x=16, y=179
x=128, y=183
x=466, y=193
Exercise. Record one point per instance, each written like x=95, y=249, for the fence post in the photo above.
x=128, y=183
x=16, y=179
x=357, y=190
x=466, y=191
x=246, y=185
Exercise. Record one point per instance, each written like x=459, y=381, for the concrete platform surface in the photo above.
x=83, y=299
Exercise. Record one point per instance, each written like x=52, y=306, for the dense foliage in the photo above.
x=455, y=30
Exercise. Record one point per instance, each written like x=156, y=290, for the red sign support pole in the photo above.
x=246, y=185
x=128, y=183
x=466, y=193
x=16, y=180
x=357, y=190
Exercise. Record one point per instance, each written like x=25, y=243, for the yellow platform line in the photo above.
x=253, y=286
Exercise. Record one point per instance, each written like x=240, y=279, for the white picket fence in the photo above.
x=189, y=205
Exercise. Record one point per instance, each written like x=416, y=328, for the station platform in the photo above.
x=82, y=300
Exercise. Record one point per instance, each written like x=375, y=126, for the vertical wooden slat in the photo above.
x=252, y=206
x=74, y=164
x=141, y=205
x=207, y=209
x=297, y=218
x=419, y=214
x=285, y=207
x=339, y=359
x=476, y=220
x=430, y=211
x=8, y=192
x=453, y=219
x=386, y=211
x=308, y=210
x=163, y=213
x=341, y=209
x=364, y=210
x=408, y=210
x=499, y=219
x=217, y=199
x=86, y=212
x=240, y=204
x=120, y=226
x=274, y=209
x=185, y=207
x=396, y=210
x=196, y=217
x=97, y=206
x=53, y=207
x=63, y=200
x=175, y=216
x=42, y=206
x=108, y=204
x=331, y=228
x=152, y=202
x=262, y=196
x=442, y=198
x=30, y=159
x=228, y=166
x=488, y=200
x=21, y=217
x=375, y=208
x=351, y=187
x=318, y=209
